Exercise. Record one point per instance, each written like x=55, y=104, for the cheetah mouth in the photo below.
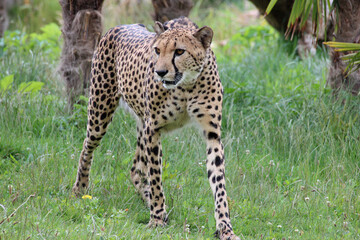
x=169, y=82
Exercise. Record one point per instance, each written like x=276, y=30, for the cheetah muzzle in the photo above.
x=166, y=79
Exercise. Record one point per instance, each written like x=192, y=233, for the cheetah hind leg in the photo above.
x=139, y=171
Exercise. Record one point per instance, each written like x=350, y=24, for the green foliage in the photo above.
x=30, y=87
x=29, y=77
x=79, y=116
x=11, y=160
x=47, y=42
x=247, y=39
x=5, y=83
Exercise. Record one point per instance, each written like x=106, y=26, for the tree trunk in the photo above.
x=348, y=31
x=3, y=17
x=166, y=10
x=348, y=25
x=279, y=15
x=81, y=30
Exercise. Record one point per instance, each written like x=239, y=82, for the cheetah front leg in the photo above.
x=216, y=175
x=210, y=121
x=153, y=155
x=140, y=171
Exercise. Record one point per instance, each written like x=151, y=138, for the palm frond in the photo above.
x=352, y=58
x=300, y=13
x=343, y=46
x=270, y=6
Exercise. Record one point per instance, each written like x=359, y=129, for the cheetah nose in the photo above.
x=162, y=73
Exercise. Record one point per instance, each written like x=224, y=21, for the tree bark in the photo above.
x=82, y=28
x=348, y=31
x=3, y=17
x=166, y=10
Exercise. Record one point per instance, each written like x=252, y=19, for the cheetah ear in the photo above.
x=159, y=28
x=204, y=35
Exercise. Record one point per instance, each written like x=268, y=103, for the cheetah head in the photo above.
x=180, y=54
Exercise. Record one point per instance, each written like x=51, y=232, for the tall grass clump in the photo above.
x=294, y=143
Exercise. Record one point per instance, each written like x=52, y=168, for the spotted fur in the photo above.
x=167, y=79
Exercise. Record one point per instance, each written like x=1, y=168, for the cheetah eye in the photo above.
x=179, y=52
x=157, y=50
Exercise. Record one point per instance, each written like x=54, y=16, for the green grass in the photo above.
x=291, y=151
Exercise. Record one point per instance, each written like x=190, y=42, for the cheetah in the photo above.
x=166, y=79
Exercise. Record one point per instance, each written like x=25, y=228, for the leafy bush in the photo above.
x=28, y=59
x=47, y=42
x=245, y=40
x=5, y=83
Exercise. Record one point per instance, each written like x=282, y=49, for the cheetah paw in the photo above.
x=232, y=237
x=78, y=191
x=156, y=223
x=226, y=236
